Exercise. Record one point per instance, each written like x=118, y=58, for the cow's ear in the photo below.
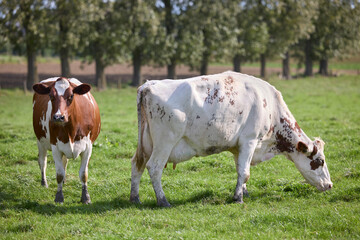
x=82, y=89
x=41, y=89
x=302, y=147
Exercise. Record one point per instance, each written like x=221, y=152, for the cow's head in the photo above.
x=61, y=94
x=310, y=161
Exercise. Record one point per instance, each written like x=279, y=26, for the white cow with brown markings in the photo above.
x=204, y=115
x=66, y=120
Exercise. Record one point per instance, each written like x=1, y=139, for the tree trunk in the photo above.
x=136, y=81
x=323, y=68
x=171, y=70
x=100, y=74
x=263, y=65
x=286, y=66
x=204, y=63
x=65, y=63
x=237, y=63
x=308, y=59
x=32, y=74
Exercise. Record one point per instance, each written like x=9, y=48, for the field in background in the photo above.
x=13, y=70
x=281, y=205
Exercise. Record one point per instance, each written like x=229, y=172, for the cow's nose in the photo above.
x=330, y=186
x=59, y=118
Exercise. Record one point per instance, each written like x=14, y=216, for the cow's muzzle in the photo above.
x=326, y=186
x=58, y=118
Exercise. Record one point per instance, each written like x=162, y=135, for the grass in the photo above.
x=281, y=205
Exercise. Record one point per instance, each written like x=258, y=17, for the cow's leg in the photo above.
x=60, y=174
x=245, y=191
x=243, y=168
x=136, y=174
x=155, y=166
x=65, y=162
x=42, y=160
x=83, y=174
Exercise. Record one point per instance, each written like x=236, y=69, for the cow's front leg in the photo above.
x=60, y=174
x=83, y=174
x=155, y=166
x=65, y=162
x=243, y=168
x=42, y=160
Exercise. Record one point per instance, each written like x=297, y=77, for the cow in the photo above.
x=66, y=121
x=204, y=115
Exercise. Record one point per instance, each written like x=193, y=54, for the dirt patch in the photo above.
x=14, y=75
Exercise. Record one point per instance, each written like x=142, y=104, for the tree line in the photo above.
x=189, y=32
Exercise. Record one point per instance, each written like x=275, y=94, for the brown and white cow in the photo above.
x=204, y=115
x=66, y=120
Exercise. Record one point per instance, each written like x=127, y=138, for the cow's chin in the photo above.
x=59, y=123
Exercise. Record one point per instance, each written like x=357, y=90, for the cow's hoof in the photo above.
x=85, y=197
x=238, y=199
x=246, y=193
x=44, y=183
x=163, y=203
x=59, y=197
x=135, y=199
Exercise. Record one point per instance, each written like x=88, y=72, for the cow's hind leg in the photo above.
x=42, y=160
x=136, y=173
x=243, y=168
x=155, y=166
x=83, y=174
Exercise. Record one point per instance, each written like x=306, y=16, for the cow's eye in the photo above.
x=70, y=98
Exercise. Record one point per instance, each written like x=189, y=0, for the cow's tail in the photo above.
x=139, y=156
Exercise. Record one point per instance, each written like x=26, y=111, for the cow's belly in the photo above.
x=73, y=150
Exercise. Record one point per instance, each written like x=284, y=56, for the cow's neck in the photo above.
x=287, y=133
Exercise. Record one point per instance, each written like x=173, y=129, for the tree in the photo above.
x=212, y=22
x=26, y=22
x=99, y=38
x=140, y=33
x=68, y=21
x=337, y=31
x=252, y=34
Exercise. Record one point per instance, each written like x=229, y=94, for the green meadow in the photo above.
x=280, y=206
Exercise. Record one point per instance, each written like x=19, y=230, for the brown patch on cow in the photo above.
x=283, y=143
x=271, y=130
x=161, y=111
x=221, y=99
x=315, y=164
x=287, y=124
x=264, y=103
x=241, y=112
x=59, y=178
x=231, y=101
x=313, y=153
x=212, y=95
x=84, y=177
x=204, y=79
x=301, y=147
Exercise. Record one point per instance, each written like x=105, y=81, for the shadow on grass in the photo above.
x=207, y=197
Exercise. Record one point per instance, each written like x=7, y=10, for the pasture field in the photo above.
x=281, y=205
